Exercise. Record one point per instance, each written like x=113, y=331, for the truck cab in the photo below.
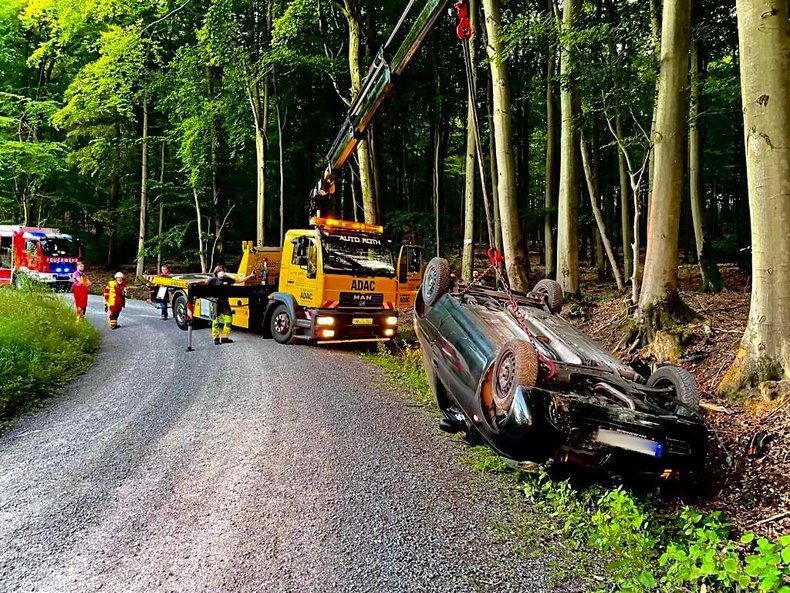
x=42, y=255
x=337, y=283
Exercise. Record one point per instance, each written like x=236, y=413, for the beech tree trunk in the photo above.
x=351, y=10
x=468, y=252
x=281, y=158
x=140, y=270
x=161, y=205
x=259, y=103
x=494, y=174
x=201, y=238
x=213, y=79
x=568, y=198
x=592, y=187
x=764, y=42
x=709, y=270
x=549, y=242
x=512, y=236
x=626, y=221
x=659, y=302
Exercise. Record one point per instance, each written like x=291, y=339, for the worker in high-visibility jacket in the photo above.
x=115, y=298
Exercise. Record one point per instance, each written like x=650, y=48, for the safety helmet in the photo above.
x=119, y=275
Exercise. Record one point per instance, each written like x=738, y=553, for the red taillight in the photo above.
x=189, y=311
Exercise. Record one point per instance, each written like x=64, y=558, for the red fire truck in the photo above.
x=39, y=254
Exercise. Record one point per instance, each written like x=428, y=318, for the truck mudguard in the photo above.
x=281, y=297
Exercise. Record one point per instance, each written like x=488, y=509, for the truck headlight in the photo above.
x=391, y=320
x=389, y=332
x=327, y=333
x=325, y=321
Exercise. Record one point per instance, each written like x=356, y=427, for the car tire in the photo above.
x=179, y=307
x=435, y=281
x=281, y=325
x=553, y=292
x=516, y=364
x=685, y=388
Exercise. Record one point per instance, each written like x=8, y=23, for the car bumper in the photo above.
x=571, y=430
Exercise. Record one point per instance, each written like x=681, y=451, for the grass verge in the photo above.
x=42, y=348
x=645, y=545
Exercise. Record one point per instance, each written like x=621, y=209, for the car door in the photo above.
x=409, y=274
x=303, y=275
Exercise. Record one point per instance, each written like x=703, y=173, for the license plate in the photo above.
x=362, y=321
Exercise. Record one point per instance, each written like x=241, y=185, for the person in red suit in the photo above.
x=115, y=298
x=79, y=286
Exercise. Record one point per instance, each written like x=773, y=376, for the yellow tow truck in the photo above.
x=336, y=281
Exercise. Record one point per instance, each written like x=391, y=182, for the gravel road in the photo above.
x=245, y=467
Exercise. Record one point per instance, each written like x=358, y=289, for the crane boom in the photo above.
x=388, y=65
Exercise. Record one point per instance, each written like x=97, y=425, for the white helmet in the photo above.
x=119, y=275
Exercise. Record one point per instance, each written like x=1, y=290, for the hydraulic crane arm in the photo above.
x=389, y=64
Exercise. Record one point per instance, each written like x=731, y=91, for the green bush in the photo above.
x=42, y=347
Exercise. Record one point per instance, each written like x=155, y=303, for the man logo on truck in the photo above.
x=363, y=285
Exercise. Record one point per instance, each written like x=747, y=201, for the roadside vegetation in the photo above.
x=645, y=543
x=42, y=348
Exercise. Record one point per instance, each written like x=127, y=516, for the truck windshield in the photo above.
x=60, y=247
x=344, y=256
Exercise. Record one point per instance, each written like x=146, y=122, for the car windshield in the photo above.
x=60, y=247
x=357, y=255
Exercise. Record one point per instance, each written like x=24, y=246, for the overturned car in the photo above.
x=509, y=367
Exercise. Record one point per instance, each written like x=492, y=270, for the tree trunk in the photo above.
x=494, y=171
x=213, y=78
x=549, y=243
x=625, y=207
x=281, y=158
x=568, y=199
x=709, y=270
x=112, y=231
x=468, y=254
x=143, y=194
x=659, y=302
x=351, y=10
x=161, y=205
x=764, y=43
x=259, y=103
x=201, y=239
x=593, y=190
x=512, y=236
x=436, y=141
x=655, y=33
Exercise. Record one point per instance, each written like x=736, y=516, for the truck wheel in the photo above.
x=180, y=310
x=282, y=326
x=435, y=281
x=516, y=364
x=553, y=292
x=685, y=388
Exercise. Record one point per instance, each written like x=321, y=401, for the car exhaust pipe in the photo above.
x=608, y=389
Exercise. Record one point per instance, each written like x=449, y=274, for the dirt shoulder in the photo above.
x=753, y=490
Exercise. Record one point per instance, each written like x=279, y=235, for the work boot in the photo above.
x=227, y=341
x=217, y=341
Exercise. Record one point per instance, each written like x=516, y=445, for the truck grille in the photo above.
x=361, y=299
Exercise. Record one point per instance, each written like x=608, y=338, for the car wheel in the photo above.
x=435, y=281
x=516, y=364
x=180, y=310
x=282, y=326
x=685, y=388
x=553, y=292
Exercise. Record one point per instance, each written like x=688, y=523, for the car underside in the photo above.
x=509, y=367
